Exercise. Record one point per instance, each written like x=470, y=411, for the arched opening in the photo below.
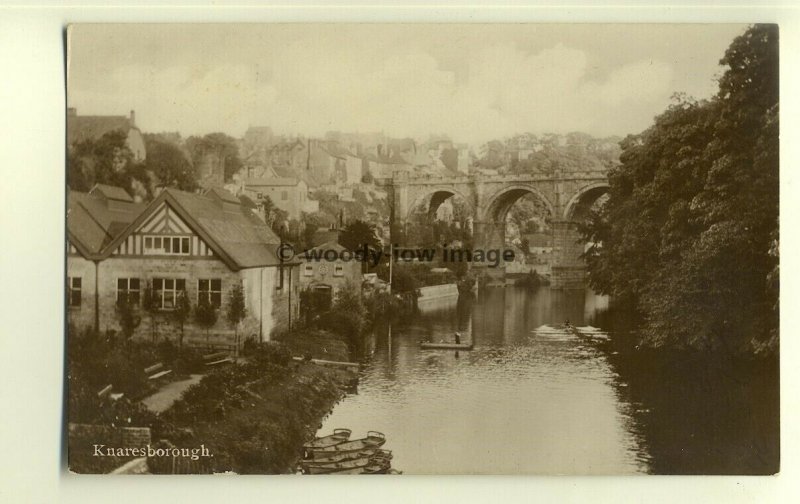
x=578, y=212
x=586, y=200
x=440, y=217
x=520, y=218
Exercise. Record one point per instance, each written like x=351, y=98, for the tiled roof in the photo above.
x=111, y=192
x=271, y=181
x=96, y=225
x=81, y=128
x=330, y=245
x=239, y=236
x=92, y=223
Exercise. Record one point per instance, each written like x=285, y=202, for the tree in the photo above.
x=129, y=320
x=169, y=164
x=275, y=217
x=237, y=310
x=205, y=314
x=183, y=308
x=346, y=316
x=220, y=145
x=357, y=235
x=673, y=241
x=151, y=303
x=106, y=160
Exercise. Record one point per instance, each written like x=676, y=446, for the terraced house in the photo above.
x=181, y=244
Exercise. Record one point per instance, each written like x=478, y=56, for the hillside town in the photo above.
x=331, y=291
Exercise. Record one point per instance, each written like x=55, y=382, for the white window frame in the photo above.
x=128, y=289
x=209, y=292
x=338, y=270
x=162, y=240
x=162, y=292
x=308, y=270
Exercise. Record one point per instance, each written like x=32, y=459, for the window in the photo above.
x=308, y=270
x=128, y=288
x=166, y=291
x=168, y=245
x=210, y=289
x=260, y=195
x=284, y=195
x=74, y=292
x=338, y=270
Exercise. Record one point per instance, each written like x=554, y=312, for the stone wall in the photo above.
x=83, y=437
x=267, y=306
x=81, y=317
x=568, y=277
x=285, y=301
x=189, y=269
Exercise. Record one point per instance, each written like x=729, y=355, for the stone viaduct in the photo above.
x=566, y=196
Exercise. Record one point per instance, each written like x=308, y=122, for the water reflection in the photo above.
x=546, y=402
x=518, y=403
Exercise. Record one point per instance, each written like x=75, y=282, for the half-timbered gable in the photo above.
x=181, y=245
x=164, y=233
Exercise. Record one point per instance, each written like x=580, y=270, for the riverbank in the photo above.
x=255, y=417
x=702, y=413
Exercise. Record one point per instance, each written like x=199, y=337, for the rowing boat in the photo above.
x=339, y=436
x=373, y=440
x=447, y=346
x=372, y=462
x=342, y=456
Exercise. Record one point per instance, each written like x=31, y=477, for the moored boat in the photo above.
x=374, y=461
x=339, y=436
x=373, y=440
x=342, y=456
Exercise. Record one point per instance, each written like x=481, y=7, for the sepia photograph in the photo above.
x=419, y=248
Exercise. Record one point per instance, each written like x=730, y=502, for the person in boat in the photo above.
x=458, y=338
x=567, y=324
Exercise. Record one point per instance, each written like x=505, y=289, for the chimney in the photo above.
x=72, y=112
x=133, y=118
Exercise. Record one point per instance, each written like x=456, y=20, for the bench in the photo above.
x=158, y=369
x=217, y=358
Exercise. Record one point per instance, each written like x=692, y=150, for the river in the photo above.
x=526, y=400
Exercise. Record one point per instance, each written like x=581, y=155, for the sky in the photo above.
x=473, y=82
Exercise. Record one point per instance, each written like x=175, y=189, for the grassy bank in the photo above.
x=255, y=417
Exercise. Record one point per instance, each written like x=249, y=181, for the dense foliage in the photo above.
x=106, y=160
x=689, y=234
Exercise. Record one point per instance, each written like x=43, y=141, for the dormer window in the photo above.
x=166, y=245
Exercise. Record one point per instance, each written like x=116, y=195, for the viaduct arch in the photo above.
x=566, y=196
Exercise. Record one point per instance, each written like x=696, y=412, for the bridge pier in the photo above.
x=568, y=270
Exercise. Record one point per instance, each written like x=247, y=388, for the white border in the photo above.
x=32, y=104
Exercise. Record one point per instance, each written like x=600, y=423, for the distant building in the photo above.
x=325, y=235
x=80, y=128
x=287, y=193
x=324, y=278
x=181, y=244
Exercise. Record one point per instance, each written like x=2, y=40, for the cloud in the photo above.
x=297, y=88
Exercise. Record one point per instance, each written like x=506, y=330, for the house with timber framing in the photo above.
x=197, y=245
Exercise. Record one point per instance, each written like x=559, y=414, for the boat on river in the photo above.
x=343, y=456
x=446, y=346
x=372, y=463
x=374, y=439
x=425, y=345
x=339, y=436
